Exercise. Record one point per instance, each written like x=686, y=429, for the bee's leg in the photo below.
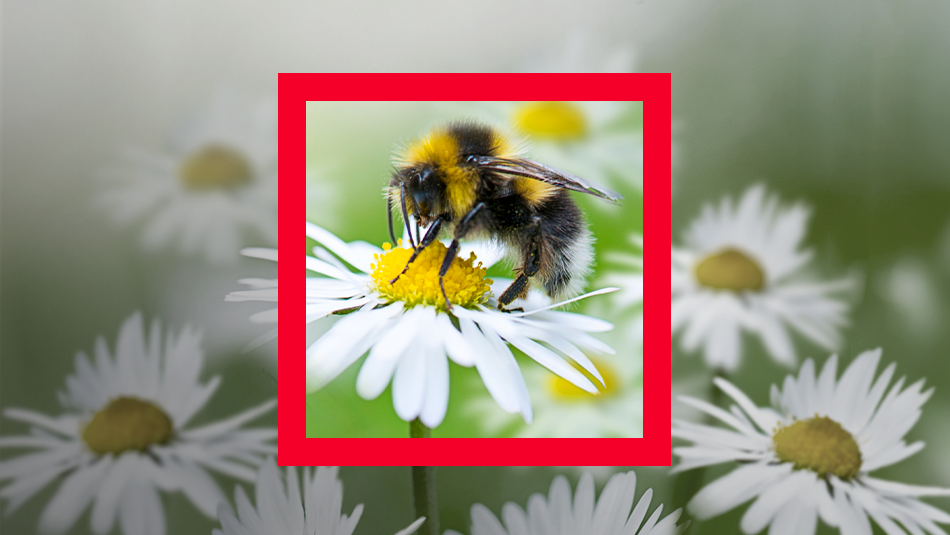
x=431, y=234
x=405, y=216
x=460, y=231
x=530, y=268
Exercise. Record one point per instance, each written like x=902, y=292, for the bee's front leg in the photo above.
x=431, y=234
x=460, y=231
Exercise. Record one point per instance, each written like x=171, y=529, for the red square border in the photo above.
x=294, y=448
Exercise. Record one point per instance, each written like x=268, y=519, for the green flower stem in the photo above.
x=417, y=429
x=688, y=483
x=424, y=500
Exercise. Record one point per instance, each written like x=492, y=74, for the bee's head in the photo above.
x=425, y=191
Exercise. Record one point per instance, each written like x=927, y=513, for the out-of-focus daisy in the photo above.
x=215, y=182
x=409, y=334
x=282, y=509
x=742, y=269
x=556, y=515
x=261, y=290
x=913, y=290
x=563, y=410
x=123, y=437
x=599, y=141
x=810, y=455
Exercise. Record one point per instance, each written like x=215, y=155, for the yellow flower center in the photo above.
x=730, y=269
x=465, y=283
x=566, y=391
x=215, y=167
x=819, y=444
x=560, y=121
x=127, y=424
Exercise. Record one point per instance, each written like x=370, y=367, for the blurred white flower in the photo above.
x=593, y=140
x=216, y=181
x=123, y=437
x=562, y=410
x=261, y=290
x=611, y=514
x=409, y=334
x=742, y=268
x=913, y=293
x=810, y=454
x=282, y=510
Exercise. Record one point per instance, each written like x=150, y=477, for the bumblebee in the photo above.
x=470, y=180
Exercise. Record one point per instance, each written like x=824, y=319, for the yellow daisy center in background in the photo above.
x=819, y=444
x=215, y=167
x=730, y=269
x=127, y=424
x=465, y=283
x=561, y=121
x=565, y=390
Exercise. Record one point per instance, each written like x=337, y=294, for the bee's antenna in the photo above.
x=389, y=213
x=405, y=216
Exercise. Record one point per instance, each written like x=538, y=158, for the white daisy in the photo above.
x=282, y=510
x=216, y=180
x=811, y=453
x=593, y=140
x=409, y=334
x=261, y=290
x=122, y=437
x=563, y=410
x=742, y=269
x=557, y=515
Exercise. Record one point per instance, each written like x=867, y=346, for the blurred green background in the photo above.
x=840, y=104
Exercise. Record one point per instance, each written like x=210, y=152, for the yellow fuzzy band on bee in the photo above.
x=506, y=147
x=535, y=191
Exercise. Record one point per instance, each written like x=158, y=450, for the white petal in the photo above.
x=105, y=510
x=339, y=247
x=385, y=355
x=412, y=527
x=409, y=383
x=764, y=509
x=73, y=496
x=736, y=488
x=437, y=387
x=344, y=343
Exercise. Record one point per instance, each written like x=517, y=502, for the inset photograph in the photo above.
x=474, y=269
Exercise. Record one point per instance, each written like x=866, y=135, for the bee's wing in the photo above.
x=538, y=171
